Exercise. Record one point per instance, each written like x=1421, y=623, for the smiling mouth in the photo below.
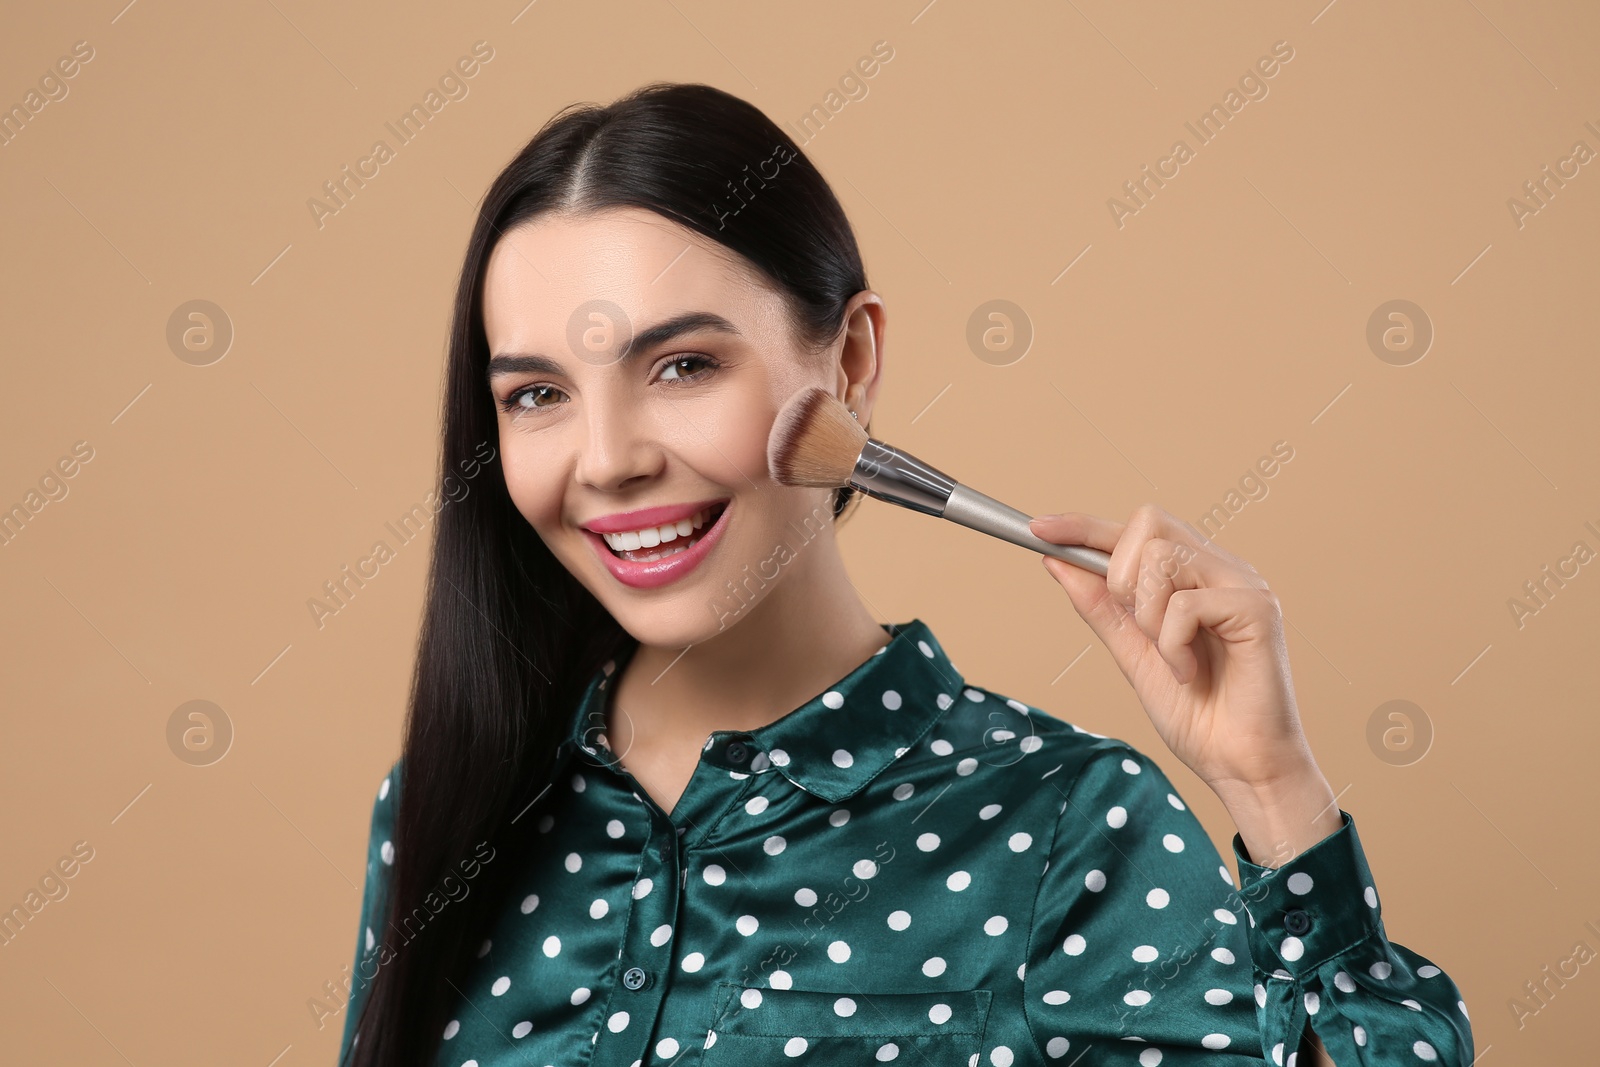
x=658, y=542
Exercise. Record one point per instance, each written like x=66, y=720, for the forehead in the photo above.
x=543, y=272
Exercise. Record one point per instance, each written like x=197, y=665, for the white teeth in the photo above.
x=650, y=537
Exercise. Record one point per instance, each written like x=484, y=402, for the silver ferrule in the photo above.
x=889, y=474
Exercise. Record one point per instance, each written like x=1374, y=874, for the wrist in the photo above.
x=1280, y=818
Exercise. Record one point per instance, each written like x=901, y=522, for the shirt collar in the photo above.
x=835, y=743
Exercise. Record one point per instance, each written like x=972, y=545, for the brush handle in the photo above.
x=985, y=514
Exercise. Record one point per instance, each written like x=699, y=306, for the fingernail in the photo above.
x=1043, y=518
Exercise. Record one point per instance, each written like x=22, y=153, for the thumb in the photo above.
x=1111, y=622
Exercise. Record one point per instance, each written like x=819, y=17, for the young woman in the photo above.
x=670, y=794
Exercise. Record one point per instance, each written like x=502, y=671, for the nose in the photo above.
x=617, y=450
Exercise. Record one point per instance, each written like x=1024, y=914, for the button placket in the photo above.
x=640, y=993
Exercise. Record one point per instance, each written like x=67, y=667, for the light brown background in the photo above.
x=1227, y=315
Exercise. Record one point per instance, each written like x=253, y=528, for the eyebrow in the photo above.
x=642, y=342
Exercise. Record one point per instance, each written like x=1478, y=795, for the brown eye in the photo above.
x=533, y=396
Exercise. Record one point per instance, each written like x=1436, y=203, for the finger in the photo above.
x=1233, y=613
x=1150, y=521
x=1078, y=528
x=1112, y=624
x=1166, y=567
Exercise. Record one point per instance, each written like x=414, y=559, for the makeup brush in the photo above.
x=816, y=441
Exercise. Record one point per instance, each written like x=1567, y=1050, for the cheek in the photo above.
x=533, y=481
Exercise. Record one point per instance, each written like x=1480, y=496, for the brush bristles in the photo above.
x=815, y=441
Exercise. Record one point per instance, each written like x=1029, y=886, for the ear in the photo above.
x=860, y=356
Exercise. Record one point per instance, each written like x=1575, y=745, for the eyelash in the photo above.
x=512, y=406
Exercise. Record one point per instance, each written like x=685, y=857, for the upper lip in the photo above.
x=644, y=518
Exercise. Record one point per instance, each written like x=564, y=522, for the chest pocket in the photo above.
x=824, y=1029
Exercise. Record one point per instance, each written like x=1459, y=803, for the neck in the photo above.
x=809, y=630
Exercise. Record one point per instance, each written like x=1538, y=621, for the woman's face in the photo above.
x=646, y=475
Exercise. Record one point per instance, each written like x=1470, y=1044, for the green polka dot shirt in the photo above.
x=912, y=868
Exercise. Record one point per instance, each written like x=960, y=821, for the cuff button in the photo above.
x=1296, y=921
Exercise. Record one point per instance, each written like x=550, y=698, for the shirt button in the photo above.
x=1296, y=921
x=737, y=751
x=635, y=978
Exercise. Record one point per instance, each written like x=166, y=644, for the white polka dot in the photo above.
x=1427, y=970
x=927, y=842
x=1359, y=1033
x=1223, y=915
x=839, y=951
x=614, y=828
x=1172, y=843
x=1136, y=997
x=1344, y=982
x=1117, y=817
x=383, y=790
x=1057, y=1047
x=386, y=852
x=1057, y=996
x=711, y=1038
x=1150, y=1057
x=899, y=920
x=904, y=790
x=1292, y=949
x=966, y=766
x=661, y=935
x=844, y=1007
x=1020, y=842
x=995, y=925
x=891, y=700
x=771, y=846
x=989, y=811
x=1000, y=1056
x=1463, y=1006
x=864, y=869
x=1145, y=954
x=780, y=980
x=574, y=862
x=887, y=1052
x=580, y=996
x=755, y=805
x=751, y=999
x=1094, y=881
x=1222, y=955
x=838, y=817
x=1313, y=1003
x=1261, y=995
x=1380, y=970
x=972, y=695
x=1033, y=743
x=618, y=1022
x=944, y=701
x=1215, y=1041
x=1370, y=895
x=842, y=757
x=1073, y=945
x=666, y=1048
x=747, y=924
x=1157, y=898
x=642, y=887
x=1219, y=997
x=598, y=908
x=805, y=897
x=530, y=902
x=926, y=651
x=933, y=967
x=452, y=1027
x=522, y=1029
x=694, y=961
x=941, y=747
x=1172, y=798
x=939, y=1014
x=778, y=757
x=552, y=946
x=1277, y=1054
x=832, y=699
x=714, y=874
x=1300, y=883
x=958, y=881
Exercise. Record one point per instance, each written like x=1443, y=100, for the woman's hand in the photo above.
x=1200, y=637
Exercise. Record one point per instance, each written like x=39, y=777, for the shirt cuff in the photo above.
x=1316, y=907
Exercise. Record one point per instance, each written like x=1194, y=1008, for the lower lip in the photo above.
x=659, y=572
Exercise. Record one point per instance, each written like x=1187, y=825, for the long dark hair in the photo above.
x=508, y=636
